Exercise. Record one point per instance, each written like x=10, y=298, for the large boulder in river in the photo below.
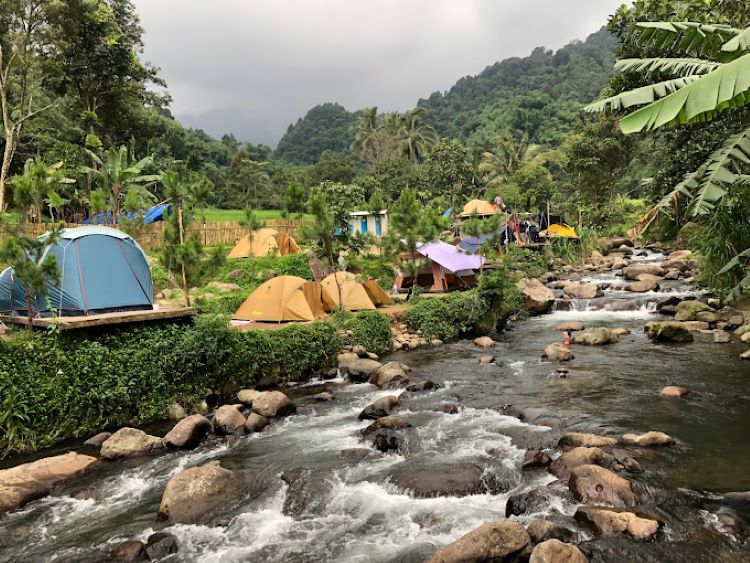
x=595, y=337
x=537, y=297
x=246, y=396
x=642, y=286
x=195, y=495
x=688, y=310
x=591, y=484
x=502, y=541
x=228, y=420
x=359, y=370
x=380, y=408
x=582, y=291
x=633, y=271
x=606, y=522
x=484, y=342
x=256, y=423
x=577, y=439
x=533, y=501
x=648, y=439
x=188, y=433
x=390, y=376
x=274, y=404
x=21, y=484
x=129, y=442
x=576, y=457
x=391, y=422
x=557, y=352
x=442, y=480
x=555, y=551
x=543, y=530
x=668, y=331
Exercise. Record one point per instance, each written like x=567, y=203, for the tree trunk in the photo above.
x=29, y=312
x=5, y=170
x=185, y=285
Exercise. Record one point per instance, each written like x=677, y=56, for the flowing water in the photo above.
x=350, y=511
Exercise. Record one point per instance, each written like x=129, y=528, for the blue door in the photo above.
x=363, y=225
x=378, y=226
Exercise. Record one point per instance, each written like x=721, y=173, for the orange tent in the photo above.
x=285, y=298
x=376, y=293
x=478, y=207
x=353, y=295
x=264, y=242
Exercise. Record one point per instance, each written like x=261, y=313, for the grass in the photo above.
x=220, y=215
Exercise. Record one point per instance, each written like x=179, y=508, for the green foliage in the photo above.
x=251, y=272
x=54, y=386
x=372, y=330
x=529, y=263
x=447, y=317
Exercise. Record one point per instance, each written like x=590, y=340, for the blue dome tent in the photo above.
x=101, y=269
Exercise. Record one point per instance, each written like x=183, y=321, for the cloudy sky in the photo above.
x=252, y=67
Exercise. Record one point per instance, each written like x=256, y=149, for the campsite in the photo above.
x=491, y=302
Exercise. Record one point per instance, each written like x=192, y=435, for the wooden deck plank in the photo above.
x=104, y=319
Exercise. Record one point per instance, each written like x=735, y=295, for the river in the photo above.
x=349, y=511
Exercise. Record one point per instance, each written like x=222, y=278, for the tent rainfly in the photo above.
x=353, y=295
x=376, y=293
x=448, y=268
x=285, y=298
x=478, y=207
x=264, y=242
x=102, y=270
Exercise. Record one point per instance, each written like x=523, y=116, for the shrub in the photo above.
x=224, y=304
x=371, y=330
x=252, y=270
x=447, y=317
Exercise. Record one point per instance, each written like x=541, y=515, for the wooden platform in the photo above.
x=104, y=319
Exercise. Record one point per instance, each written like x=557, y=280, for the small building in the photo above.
x=440, y=268
x=367, y=222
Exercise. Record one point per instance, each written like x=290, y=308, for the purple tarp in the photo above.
x=449, y=257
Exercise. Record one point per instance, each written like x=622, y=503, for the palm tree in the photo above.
x=36, y=186
x=415, y=135
x=364, y=131
x=508, y=156
x=709, y=69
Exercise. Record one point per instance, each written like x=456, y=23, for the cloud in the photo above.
x=252, y=67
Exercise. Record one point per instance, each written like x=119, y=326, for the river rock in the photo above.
x=176, y=412
x=160, y=545
x=380, y=408
x=572, y=326
x=597, y=485
x=486, y=360
x=607, y=522
x=129, y=442
x=98, y=440
x=442, y=480
x=745, y=338
x=555, y=551
x=484, y=342
x=256, y=423
x=535, y=458
x=633, y=271
x=542, y=530
x=722, y=337
x=668, y=331
x=688, y=310
x=580, y=439
x=538, y=298
x=673, y=392
x=355, y=454
x=228, y=420
x=21, y=484
x=709, y=317
x=672, y=274
x=745, y=355
x=275, y=404
x=390, y=376
x=642, y=286
x=595, y=337
x=360, y=350
x=556, y=352
x=648, y=439
x=360, y=370
x=448, y=408
x=308, y=491
x=582, y=291
x=194, y=495
x=391, y=422
x=499, y=542
x=564, y=464
x=425, y=385
x=620, y=331
x=527, y=502
x=129, y=550
x=246, y=396
x=188, y=433
x=389, y=440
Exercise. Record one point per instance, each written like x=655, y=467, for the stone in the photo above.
x=426, y=385
x=580, y=439
x=129, y=550
x=591, y=484
x=572, y=326
x=581, y=455
x=457, y=479
x=436, y=342
x=188, y=433
x=745, y=338
x=380, y=408
x=24, y=483
x=391, y=422
x=390, y=376
x=620, y=331
x=745, y=355
x=633, y=271
x=373, y=356
x=160, y=545
x=595, y=337
x=448, y=408
x=324, y=397
x=498, y=542
x=360, y=350
x=228, y=420
x=606, y=522
x=487, y=359
x=346, y=357
x=129, y=442
x=673, y=392
x=679, y=254
x=223, y=287
x=582, y=291
x=642, y=286
x=542, y=530
x=256, y=423
x=535, y=458
x=668, y=331
x=673, y=274
x=484, y=342
x=557, y=352
x=387, y=440
x=359, y=370
x=176, y=412
x=97, y=440
x=688, y=310
x=247, y=396
x=535, y=500
x=695, y=326
x=648, y=439
x=555, y=551
x=355, y=454
x=275, y=404
x=708, y=317
x=649, y=277
x=195, y=495
x=538, y=298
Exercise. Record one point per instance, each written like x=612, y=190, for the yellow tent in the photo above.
x=478, y=207
x=353, y=294
x=264, y=242
x=285, y=298
x=376, y=293
x=560, y=230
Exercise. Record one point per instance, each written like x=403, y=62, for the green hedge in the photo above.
x=53, y=387
x=252, y=271
x=371, y=330
x=447, y=317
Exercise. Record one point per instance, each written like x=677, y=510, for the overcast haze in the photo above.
x=253, y=67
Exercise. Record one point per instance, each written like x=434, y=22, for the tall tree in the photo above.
x=508, y=156
x=416, y=136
